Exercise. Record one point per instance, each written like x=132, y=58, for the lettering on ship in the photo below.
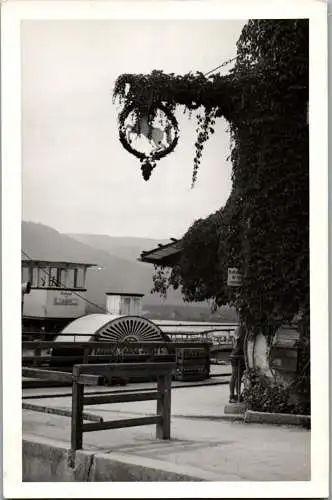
x=65, y=299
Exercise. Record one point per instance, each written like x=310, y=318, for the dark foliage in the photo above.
x=264, y=227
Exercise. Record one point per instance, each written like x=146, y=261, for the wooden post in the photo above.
x=238, y=379
x=77, y=414
x=37, y=354
x=86, y=355
x=163, y=430
x=207, y=360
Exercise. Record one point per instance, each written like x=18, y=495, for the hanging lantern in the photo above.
x=149, y=136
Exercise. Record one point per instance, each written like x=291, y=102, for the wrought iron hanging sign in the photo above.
x=149, y=136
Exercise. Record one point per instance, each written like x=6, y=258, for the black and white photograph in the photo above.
x=166, y=190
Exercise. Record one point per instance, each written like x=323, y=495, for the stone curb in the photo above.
x=230, y=417
x=46, y=460
x=276, y=418
x=235, y=409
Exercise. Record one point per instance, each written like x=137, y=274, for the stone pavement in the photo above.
x=200, y=438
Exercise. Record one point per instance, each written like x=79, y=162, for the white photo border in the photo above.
x=13, y=12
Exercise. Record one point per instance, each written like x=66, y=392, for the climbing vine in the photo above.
x=207, y=250
x=205, y=128
x=144, y=94
x=264, y=227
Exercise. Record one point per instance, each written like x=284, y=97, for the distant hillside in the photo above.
x=117, y=274
x=129, y=248
x=121, y=272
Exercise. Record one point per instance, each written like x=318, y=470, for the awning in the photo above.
x=163, y=255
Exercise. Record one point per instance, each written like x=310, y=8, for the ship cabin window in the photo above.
x=126, y=305
x=34, y=278
x=70, y=278
x=53, y=279
x=75, y=278
x=136, y=306
x=46, y=277
x=25, y=274
x=62, y=277
x=79, y=278
x=42, y=276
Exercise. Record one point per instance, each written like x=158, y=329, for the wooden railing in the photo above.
x=94, y=374
x=66, y=354
x=43, y=352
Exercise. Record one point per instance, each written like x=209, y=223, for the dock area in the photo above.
x=203, y=443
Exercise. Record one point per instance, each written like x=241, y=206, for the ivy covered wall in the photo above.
x=264, y=227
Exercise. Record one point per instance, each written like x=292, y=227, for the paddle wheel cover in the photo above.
x=131, y=329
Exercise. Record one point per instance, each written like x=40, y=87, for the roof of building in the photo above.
x=43, y=262
x=126, y=294
x=165, y=255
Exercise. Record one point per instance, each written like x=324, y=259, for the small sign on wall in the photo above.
x=234, y=277
x=65, y=299
x=64, y=304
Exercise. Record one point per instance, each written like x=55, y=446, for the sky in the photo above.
x=76, y=176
